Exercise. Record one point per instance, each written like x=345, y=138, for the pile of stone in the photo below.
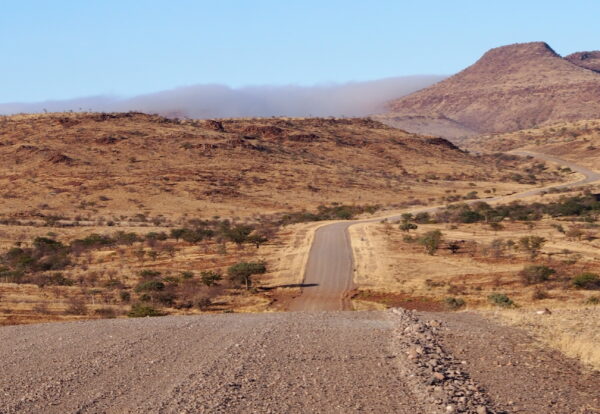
x=434, y=371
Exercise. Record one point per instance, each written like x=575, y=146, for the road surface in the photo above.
x=338, y=362
x=329, y=269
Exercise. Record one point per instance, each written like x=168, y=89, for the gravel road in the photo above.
x=395, y=361
x=337, y=362
x=329, y=270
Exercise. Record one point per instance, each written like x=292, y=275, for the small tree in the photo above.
x=587, y=281
x=532, y=245
x=210, y=278
x=241, y=273
x=257, y=239
x=454, y=246
x=431, y=241
x=407, y=227
x=406, y=217
x=536, y=274
x=238, y=234
x=177, y=233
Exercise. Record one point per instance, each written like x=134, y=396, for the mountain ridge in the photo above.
x=509, y=88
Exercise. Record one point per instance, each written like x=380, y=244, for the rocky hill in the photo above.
x=588, y=60
x=126, y=164
x=510, y=88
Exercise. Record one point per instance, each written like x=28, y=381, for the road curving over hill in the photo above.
x=328, y=276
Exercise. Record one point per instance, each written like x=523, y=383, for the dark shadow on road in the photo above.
x=292, y=285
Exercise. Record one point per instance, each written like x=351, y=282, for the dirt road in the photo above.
x=268, y=363
x=329, y=269
x=292, y=362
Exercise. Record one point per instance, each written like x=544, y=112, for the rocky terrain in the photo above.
x=588, y=60
x=110, y=166
x=510, y=88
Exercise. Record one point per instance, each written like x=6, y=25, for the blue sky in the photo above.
x=63, y=49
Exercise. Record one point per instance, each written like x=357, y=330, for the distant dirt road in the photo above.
x=329, y=269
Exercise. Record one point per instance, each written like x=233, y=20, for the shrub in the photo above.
x=76, y=306
x=539, y=294
x=406, y=226
x=93, y=241
x=166, y=297
x=140, y=310
x=203, y=302
x=106, y=313
x=147, y=273
x=150, y=286
x=241, y=273
x=534, y=274
x=593, y=300
x=431, y=241
x=125, y=296
x=156, y=236
x=532, y=245
x=257, y=239
x=55, y=279
x=187, y=275
x=239, y=233
x=454, y=303
x=500, y=299
x=587, y=281
x=210, y=278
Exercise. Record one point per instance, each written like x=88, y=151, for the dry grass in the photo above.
x=130, y=167
x=91, y=271
x=573, y=331
x=386, y=263
x=577, y=141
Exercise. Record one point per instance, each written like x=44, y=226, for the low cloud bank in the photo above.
x=220, y=101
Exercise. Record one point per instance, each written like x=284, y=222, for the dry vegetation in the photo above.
x=544, y=254
x=477, y=257
x=120, y=167
x=577, y=141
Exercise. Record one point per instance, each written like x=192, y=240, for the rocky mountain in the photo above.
x=588, y=60
x=510, y=88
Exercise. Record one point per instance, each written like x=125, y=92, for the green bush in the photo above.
x=534, y=274
x=241, y=273
x=500, y=299
x=587, y=281
x=431, y=241
x=93, y=241
x=406, y=226
x=454, y=303
x=187, y=275
x=150, y=286
x=210, y=278
x=140, y=310
x=147, y=273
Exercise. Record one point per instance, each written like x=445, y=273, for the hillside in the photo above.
x=577, y=141
x=510, y=88
x=117, y=166
x=588, y=60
